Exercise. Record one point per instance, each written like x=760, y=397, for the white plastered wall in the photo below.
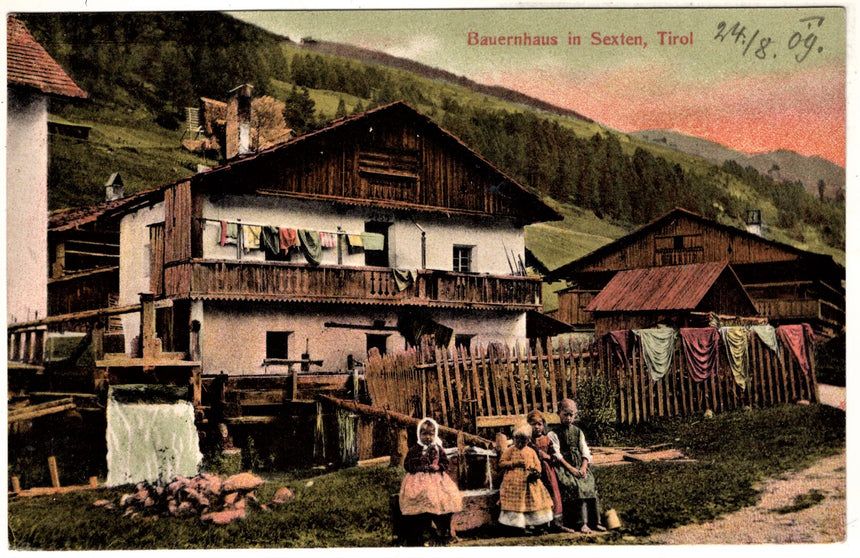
x=26, y=207
x=233, y=338
x=134, y=262
x=490, y=239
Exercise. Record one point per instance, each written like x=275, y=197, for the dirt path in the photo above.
x=822, y=522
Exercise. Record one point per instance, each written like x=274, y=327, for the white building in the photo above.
x=33, y=77
x=440, y=228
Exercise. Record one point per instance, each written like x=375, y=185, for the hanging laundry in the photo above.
x=269, y=240
x=622, y=342
x=795, y=337
x=310, y=245
x=403, y=278
x=229, y=233
x=289, y=238
x=701, y=351
x=736, y=340
x=328, y=240
x=251, y=237
x=354, y=241
x=658, y=345
x=373, y=241
x=767, y=334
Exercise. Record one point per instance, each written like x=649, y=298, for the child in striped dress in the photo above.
x=525, y=502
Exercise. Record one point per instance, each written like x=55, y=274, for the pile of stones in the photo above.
x=215, y=500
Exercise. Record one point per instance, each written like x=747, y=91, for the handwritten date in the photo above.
x=800, y=43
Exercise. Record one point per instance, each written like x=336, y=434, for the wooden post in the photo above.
x=55, y=474
x=94, y=482
x=400, y=443
x=16, y=484
x=462, y=470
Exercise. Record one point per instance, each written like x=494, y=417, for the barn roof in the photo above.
x=568, y=269
x=29, y=65
x=676, y=287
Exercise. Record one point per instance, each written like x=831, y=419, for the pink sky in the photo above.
x=803, y=111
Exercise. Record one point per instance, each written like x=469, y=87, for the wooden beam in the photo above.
x=34, y=411
x=403, y=420
x=75, y=316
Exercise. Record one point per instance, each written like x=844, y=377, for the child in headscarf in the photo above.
x=545, y=445
x=427, y=493
x=525, y=502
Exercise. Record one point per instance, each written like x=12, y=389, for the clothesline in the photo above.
x=229, y=222
x=700, y=347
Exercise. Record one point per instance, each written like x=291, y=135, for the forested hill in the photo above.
x=429, y=72
x=143, y=69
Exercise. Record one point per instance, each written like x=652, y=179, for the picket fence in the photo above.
x=496, y=385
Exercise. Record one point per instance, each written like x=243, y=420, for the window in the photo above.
x=378, y=342
x=463, y=258
x=463, y=340
x=277, y=344
x=377, y=258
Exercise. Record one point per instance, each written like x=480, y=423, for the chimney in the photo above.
x=238, y=132
x=114, y=188
x=754, y=221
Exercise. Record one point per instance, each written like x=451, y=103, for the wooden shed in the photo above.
x=641, y=298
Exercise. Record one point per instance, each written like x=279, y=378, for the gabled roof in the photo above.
x=568, y=269
x=29, y=65
x=527, y=200
x=676, y=287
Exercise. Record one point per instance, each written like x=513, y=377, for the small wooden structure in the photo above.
x=640, y=298
x=154, y=366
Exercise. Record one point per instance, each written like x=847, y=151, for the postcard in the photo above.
x=366, y=276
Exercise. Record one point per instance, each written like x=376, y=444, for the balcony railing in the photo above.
x=809, y=309
x=299, y=282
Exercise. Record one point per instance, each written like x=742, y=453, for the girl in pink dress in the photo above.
x=427, y=493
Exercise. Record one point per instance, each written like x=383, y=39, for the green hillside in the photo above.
x=605, y=183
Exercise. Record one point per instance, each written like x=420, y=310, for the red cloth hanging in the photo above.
x=701, y=351
x=795, y=337
x=288, y=238
x=622, y=343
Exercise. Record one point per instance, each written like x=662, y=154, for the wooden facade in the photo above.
x=787, y=284
x=388, y=157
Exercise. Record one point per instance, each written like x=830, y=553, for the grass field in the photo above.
x=733, y=452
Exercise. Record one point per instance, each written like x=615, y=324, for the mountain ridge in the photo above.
x=780, y=164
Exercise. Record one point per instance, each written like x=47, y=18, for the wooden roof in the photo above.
x=505, y=191
x=826, y=263
x=676, y=287
x=29, y=65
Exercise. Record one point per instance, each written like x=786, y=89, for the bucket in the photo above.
x=610, y=519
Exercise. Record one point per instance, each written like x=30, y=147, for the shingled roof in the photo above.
x=29, y=65
x=675, y=287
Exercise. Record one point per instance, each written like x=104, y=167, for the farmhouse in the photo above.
x=371, y=233
x=786, y=284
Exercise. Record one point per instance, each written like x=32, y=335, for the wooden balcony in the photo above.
x=237, y=280
x=811, y=310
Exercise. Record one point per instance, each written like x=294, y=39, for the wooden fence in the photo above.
x=497, y=385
